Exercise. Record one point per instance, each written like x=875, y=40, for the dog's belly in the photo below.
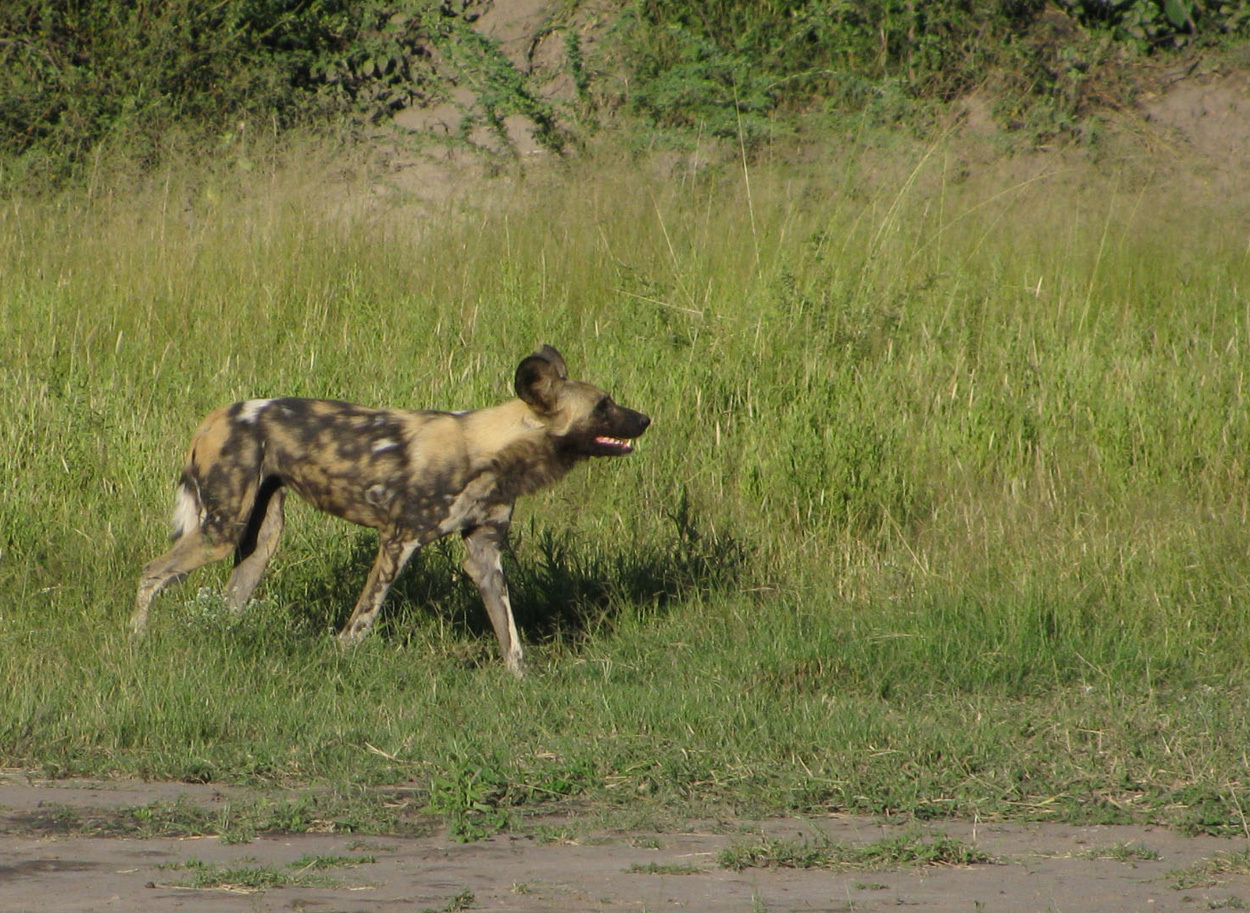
x=368, y=503
x=433, y=507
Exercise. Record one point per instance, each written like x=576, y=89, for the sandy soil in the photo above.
x=1039, y=867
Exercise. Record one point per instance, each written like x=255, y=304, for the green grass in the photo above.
x=1210, y=872
x=234, y=821
x=308, y=872
x=1121, y=852
x=465, y=900
x=903, y=851
x=943, y=511
x=656, y=868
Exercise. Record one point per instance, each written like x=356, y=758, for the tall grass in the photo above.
x=944, y=507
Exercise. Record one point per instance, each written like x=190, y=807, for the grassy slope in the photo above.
x=943, y=510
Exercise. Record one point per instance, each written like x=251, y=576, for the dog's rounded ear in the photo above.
x=557, y=360
x=538, y=376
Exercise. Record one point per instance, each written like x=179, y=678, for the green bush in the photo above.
x=730, y=60
x=72, y=74
x=135, y=76
x=732, y=66
x=1162, y=23
x=76, y=75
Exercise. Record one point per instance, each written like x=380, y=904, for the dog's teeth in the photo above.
x=617, y=442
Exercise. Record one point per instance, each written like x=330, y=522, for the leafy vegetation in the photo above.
x=1154, y=23
x=141, y=81
x=145, y=81
x=736, y=68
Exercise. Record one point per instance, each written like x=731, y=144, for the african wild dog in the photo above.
x=413, y=476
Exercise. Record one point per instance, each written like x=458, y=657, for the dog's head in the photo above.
x=581, y=417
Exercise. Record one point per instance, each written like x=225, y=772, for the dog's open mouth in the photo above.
x=613, y=445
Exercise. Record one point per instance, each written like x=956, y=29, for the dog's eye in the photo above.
x=602, y=406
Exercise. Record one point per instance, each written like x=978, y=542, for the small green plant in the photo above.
x=1121, y=852
x=305, y=872
x=465, y=900
x=320, y=862
x=159, y=819
x=235, y=821
x=1228, y=903
x=655, y=868
x=469, y=798
x=1209, y=872
x=820, y=853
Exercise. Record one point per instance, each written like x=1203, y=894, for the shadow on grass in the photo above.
x=564, y=588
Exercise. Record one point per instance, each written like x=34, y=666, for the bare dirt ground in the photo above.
x=1036, y=867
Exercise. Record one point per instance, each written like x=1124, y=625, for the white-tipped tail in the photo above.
x=187, y=512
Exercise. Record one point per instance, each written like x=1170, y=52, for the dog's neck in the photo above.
x=523, y=456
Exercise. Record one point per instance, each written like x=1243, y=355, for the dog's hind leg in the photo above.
x=482, y=562
x=191, y=551
x=259, y=542
x=393, y=553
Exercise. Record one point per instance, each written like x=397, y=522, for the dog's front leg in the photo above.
x=393, y=553
x=483, y=546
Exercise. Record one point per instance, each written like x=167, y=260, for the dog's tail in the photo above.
x=188, y=508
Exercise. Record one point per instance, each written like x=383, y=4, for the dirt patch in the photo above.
x=1037, y=867
x=1209, y=113
x=1203, y=121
